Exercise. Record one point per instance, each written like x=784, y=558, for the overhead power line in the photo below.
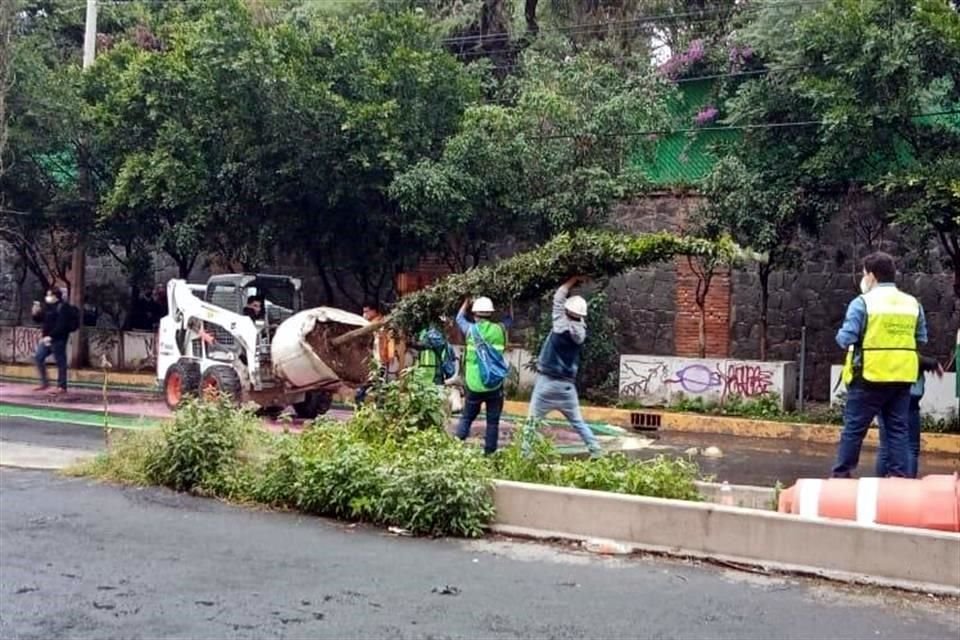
x=733, y=127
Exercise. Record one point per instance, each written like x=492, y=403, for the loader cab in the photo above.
x=281, y=296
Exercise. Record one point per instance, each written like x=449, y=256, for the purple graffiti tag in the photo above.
x=696, y=378
x=747, y=380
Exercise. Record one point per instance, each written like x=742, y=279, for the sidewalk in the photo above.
x=620, y=421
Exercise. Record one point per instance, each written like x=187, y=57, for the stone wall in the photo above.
x=652, y=305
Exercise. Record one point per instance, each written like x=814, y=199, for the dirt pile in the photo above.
x=350, y=361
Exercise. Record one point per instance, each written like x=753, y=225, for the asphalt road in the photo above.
x=83, y=560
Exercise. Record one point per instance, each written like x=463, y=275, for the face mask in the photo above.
x=50, y=300
x=864, y=285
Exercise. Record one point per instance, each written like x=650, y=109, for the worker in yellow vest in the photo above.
x=881, y=333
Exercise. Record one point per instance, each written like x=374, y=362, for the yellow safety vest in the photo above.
x=888, y=350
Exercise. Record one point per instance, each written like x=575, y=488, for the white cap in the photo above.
x=577, y=306
x=482, y=305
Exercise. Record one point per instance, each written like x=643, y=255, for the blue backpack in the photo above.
x=446, y=356
x=494, y=369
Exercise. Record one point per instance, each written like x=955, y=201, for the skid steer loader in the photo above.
x=286, y=358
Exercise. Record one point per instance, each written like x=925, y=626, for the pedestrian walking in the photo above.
x=482, y=388
x=927, y=365
x=881, y=333
x=559, y=362
x=56, y=320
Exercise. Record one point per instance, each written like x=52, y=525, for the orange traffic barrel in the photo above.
x=929, y=503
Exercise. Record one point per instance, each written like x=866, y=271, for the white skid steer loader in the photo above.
x=209, y=345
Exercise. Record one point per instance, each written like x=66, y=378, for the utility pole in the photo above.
x=78, y=265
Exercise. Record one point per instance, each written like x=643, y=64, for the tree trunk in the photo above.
x=702, y=331
x=530, y=14
x=764, y=272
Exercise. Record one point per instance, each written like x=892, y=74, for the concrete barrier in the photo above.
x=739, y=495
x=893, y=556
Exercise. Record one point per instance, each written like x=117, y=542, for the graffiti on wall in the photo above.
x=662, y=379
x=25, y=341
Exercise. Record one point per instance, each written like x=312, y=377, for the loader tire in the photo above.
x=181, y=382
x=315, y=404
x=223, y=381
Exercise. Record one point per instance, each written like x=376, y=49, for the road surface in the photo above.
x=755, y=461
x=83, y=560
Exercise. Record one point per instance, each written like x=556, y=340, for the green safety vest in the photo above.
x=427, y=363
x=496, y=336
x=888, y=351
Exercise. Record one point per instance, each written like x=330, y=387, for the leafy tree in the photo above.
x=383, y=96
x=44, y=210
x=189, y=116
x=761, y=213
x=850, y=81
x=553, y=158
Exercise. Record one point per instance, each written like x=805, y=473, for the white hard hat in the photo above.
x=577, y=306
x=482, y=305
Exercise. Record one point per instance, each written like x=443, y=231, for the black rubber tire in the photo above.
x=315, y=404
x=222, y=379
x=271, y=412
x=181, y=382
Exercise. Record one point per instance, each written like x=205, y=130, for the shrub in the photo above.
x=436, y=486
x=663, y=477
x=342, y=477
x=202, y=438
x=126, y=460
x=539, y=466
x=401, y=407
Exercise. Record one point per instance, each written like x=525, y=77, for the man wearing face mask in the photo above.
x=55, y=329
x=882, y=331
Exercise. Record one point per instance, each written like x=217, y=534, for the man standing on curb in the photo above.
x=881, y=333
x=559, y=361
x=477, y=393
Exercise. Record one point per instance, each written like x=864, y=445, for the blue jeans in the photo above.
x=865, y=401
x=58, y=349
x=913, y=424
x=471, y=409
x=550, y=394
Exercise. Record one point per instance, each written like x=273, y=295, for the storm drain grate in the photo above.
x=645, y=421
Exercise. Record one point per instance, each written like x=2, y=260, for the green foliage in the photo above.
x=537, y=462
x=861, y=74
x=533, y=273
x=544, y=160
x=950, y=424
x=402, y=407
x=659, y=477
x=436, y=486
x=201, y=440
x=126, y=460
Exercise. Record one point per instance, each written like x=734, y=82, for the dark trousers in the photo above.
x=58, y=349
x=471, y=409
x=913, y=434
x=865, y=401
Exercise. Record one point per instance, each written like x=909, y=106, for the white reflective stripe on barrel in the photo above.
x=867, y=500
x=809, y=491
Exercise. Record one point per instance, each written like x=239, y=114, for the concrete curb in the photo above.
x=740, y=427
x=907, y=558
